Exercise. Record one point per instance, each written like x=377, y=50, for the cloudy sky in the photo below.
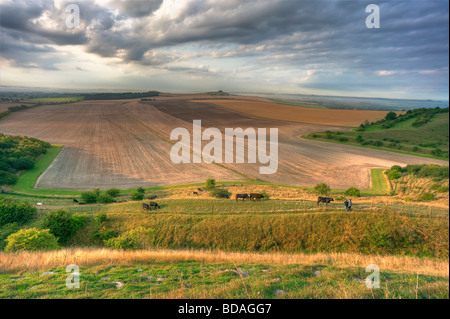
x=279, y=46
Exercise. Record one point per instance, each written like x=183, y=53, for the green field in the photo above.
x=402, y=137
x=300, y=104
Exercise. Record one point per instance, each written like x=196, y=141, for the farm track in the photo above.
x=126, y=144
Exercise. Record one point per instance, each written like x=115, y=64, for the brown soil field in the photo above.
x=104, y=147
x=345, y=118
x=126, y=144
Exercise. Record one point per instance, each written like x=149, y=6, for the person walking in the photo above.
x=346, y=205
x=350, y=204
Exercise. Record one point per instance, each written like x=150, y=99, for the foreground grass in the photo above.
x=215, y=274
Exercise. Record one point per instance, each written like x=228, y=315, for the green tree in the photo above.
x=89, y=197
x=137, y=196
x=63, y=224
x=322, y=189
x=113, y=192
x=210, y=183
x=353, y=191
x=31, y=239
x=390, y=116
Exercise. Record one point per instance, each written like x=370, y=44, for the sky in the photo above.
x=320, y=47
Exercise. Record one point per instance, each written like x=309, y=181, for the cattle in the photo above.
x=200, y=190
x=152, y=197
x=146, y=206
x=243, y=196
x=255, y=196
x=325, y=200
x=154, y=204
x=195, y=193
x=224, y=196
x=75, y=201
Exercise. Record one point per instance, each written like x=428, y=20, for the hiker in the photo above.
x=350, y=204
x=346, y=205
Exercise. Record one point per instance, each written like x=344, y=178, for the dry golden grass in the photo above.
x=347, y=118
x=44, y=260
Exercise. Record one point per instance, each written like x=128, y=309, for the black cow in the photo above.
x=154, y=204
x=152, y=197
x=243, y=196
x=325, y=200
x=255, y=196
x=224, y=196
x=146, y=206
x=75, y=201
x=195, y=193
x=200, y=190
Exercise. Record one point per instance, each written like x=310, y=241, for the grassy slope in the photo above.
x=26, y=181
x=436, y=131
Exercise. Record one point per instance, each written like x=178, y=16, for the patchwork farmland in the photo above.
x=126, y=144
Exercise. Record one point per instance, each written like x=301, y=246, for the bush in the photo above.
x=390, y=116
x=426, y=196
x=113, y=192
x=12, y=211
x=31, y=239
x=359, y=139
x=105, y=199
x=322, y=189
x=266, y=195
x=378, y=143
x=7, y=178
x=101, y=218
x=5, y=231
x=395, y=172
x=137, y=196
x=140, y=190
x=210, y=183
x=104, y=234
x=353, y=191
x=63, y=224
x=89, y=197
x=97, y=191
x=220, y=193
x=122, y=242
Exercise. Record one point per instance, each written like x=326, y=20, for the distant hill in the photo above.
x=421, y=132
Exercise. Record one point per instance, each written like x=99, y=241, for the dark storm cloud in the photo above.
x=329, y=37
